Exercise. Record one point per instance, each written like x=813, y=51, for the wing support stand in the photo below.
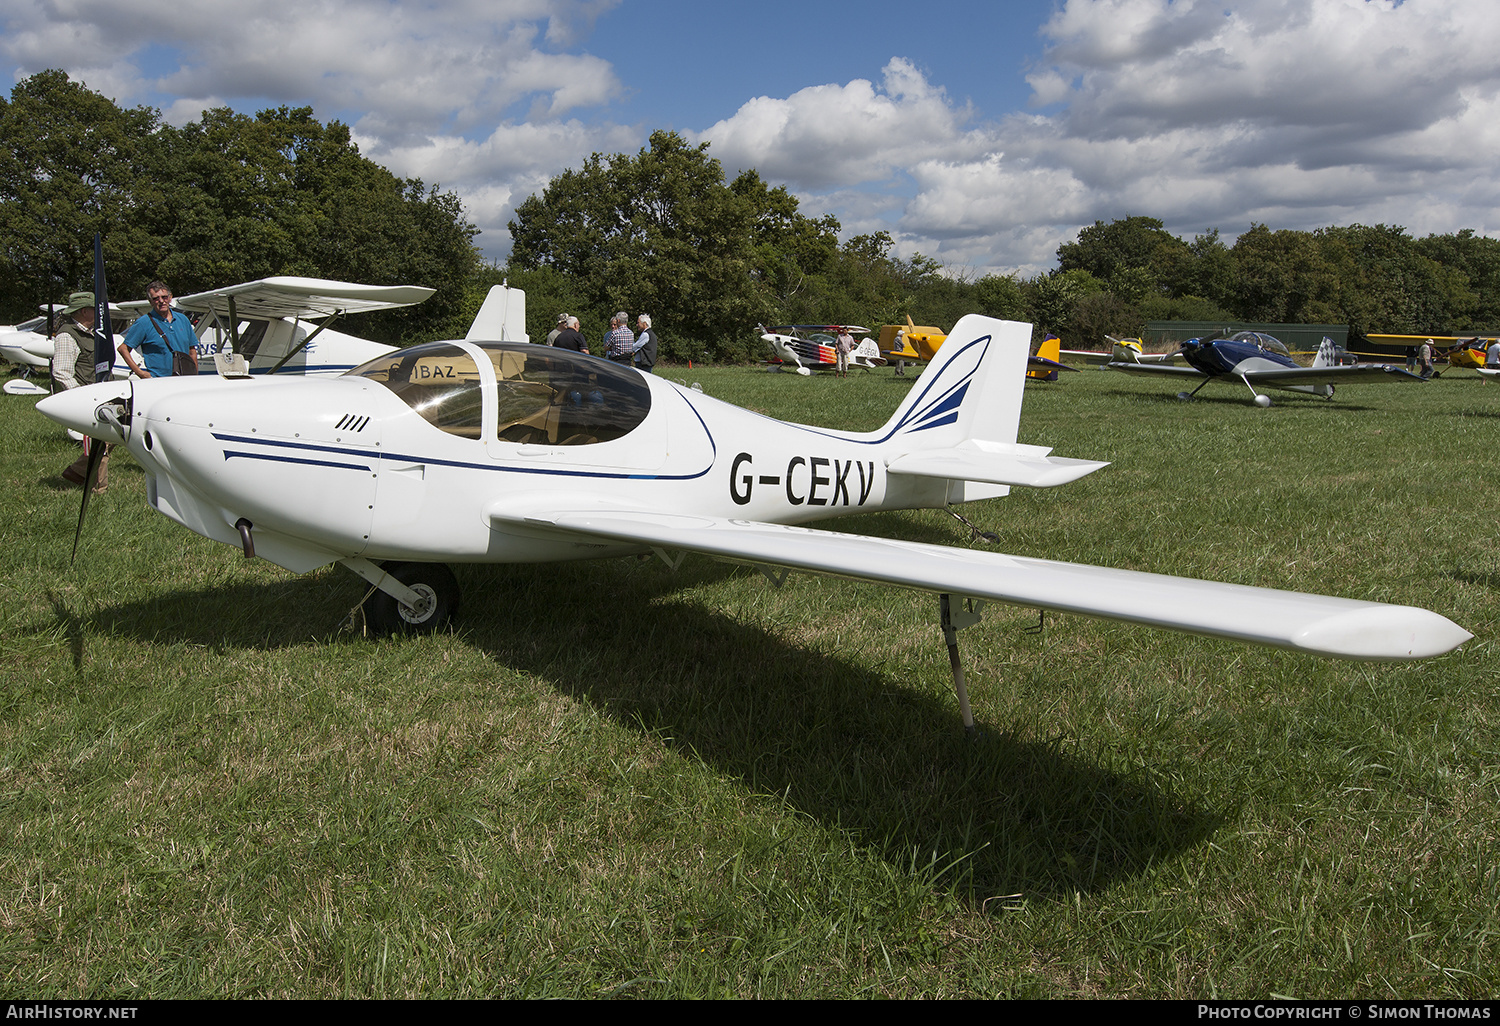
x=975, y=533
x=967, y=614
x=409, y=598
x=672, y=561
x=777, y=576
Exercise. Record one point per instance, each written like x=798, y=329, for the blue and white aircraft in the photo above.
x=1255, y=358
x=493, y=452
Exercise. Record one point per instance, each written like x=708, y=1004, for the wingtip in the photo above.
x=1383, y=633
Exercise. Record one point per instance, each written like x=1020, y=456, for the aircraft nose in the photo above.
x=77, y=408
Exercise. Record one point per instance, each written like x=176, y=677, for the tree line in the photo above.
x=663, y=231
x=225, y=199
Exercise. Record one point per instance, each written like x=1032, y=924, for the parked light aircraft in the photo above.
x=28, y=346
x=921, y=343
x=261, y=321
x=916, y=342
x=1471, y=352
x=1255, y=359
x=503, y=452
x=810, y=347
x=1044, y=365
x=1123, y=350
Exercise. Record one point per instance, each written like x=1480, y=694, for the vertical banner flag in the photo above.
x=104, y=335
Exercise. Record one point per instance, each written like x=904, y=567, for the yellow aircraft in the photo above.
x=912, y=342
x=1470, y=352
x=921, y=343
x=1049, y=353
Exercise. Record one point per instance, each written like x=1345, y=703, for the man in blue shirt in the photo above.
x=158, y=335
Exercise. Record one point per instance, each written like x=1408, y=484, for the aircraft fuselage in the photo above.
x=340, y=467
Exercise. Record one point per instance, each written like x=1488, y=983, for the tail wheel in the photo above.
x=437, y=586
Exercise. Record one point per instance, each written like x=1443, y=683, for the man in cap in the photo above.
x=562, y=324
x=72, y=366
x=1426, y=358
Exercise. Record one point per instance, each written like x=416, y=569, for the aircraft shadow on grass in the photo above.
x=858, y=749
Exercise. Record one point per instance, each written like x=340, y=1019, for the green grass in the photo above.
x=610, y=779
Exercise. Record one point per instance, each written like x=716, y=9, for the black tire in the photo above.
x=434, y=581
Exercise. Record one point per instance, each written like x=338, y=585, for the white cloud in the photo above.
x=1205, y=113
x=411, y=67
x=830, y=135
x=494, y=174
x=1219, y=115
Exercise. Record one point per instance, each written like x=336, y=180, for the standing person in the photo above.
x=619, y=344
x=1424, y=357
x=844, y=346
x=72, y=366
x=645, y=345
x=160, y=335
x=571, y=338
x=1492, y=355
x=562, y=323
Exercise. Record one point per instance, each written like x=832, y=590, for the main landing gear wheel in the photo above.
x=438, y=588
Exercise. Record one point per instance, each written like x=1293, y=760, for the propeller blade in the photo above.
x=97, y=450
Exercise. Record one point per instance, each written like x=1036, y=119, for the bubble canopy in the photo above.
x=542, y=396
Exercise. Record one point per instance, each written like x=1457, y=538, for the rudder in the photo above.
x=972, y=389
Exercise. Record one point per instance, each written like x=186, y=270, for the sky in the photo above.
x=982, y=134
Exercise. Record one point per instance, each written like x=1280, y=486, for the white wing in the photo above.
x=1317, y=624
x=292, y=296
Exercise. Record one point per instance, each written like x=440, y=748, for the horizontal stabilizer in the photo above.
x=1027, y=469
x=1315, y=624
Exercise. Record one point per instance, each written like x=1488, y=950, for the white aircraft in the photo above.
x=261, y=321
x=28, y=346
x=1254, y=358
x=492, y=452
x=809, y=347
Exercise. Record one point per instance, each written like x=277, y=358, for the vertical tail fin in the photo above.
x=1051, y=351
x=502, y=318
x=1328, y=354
x=972, y=389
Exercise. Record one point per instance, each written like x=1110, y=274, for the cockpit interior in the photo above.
x=543, y=396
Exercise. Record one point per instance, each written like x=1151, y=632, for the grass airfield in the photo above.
x=614, y=780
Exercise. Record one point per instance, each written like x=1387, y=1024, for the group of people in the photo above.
x=621, y=345
x=1423, y=358
x=164, y=340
